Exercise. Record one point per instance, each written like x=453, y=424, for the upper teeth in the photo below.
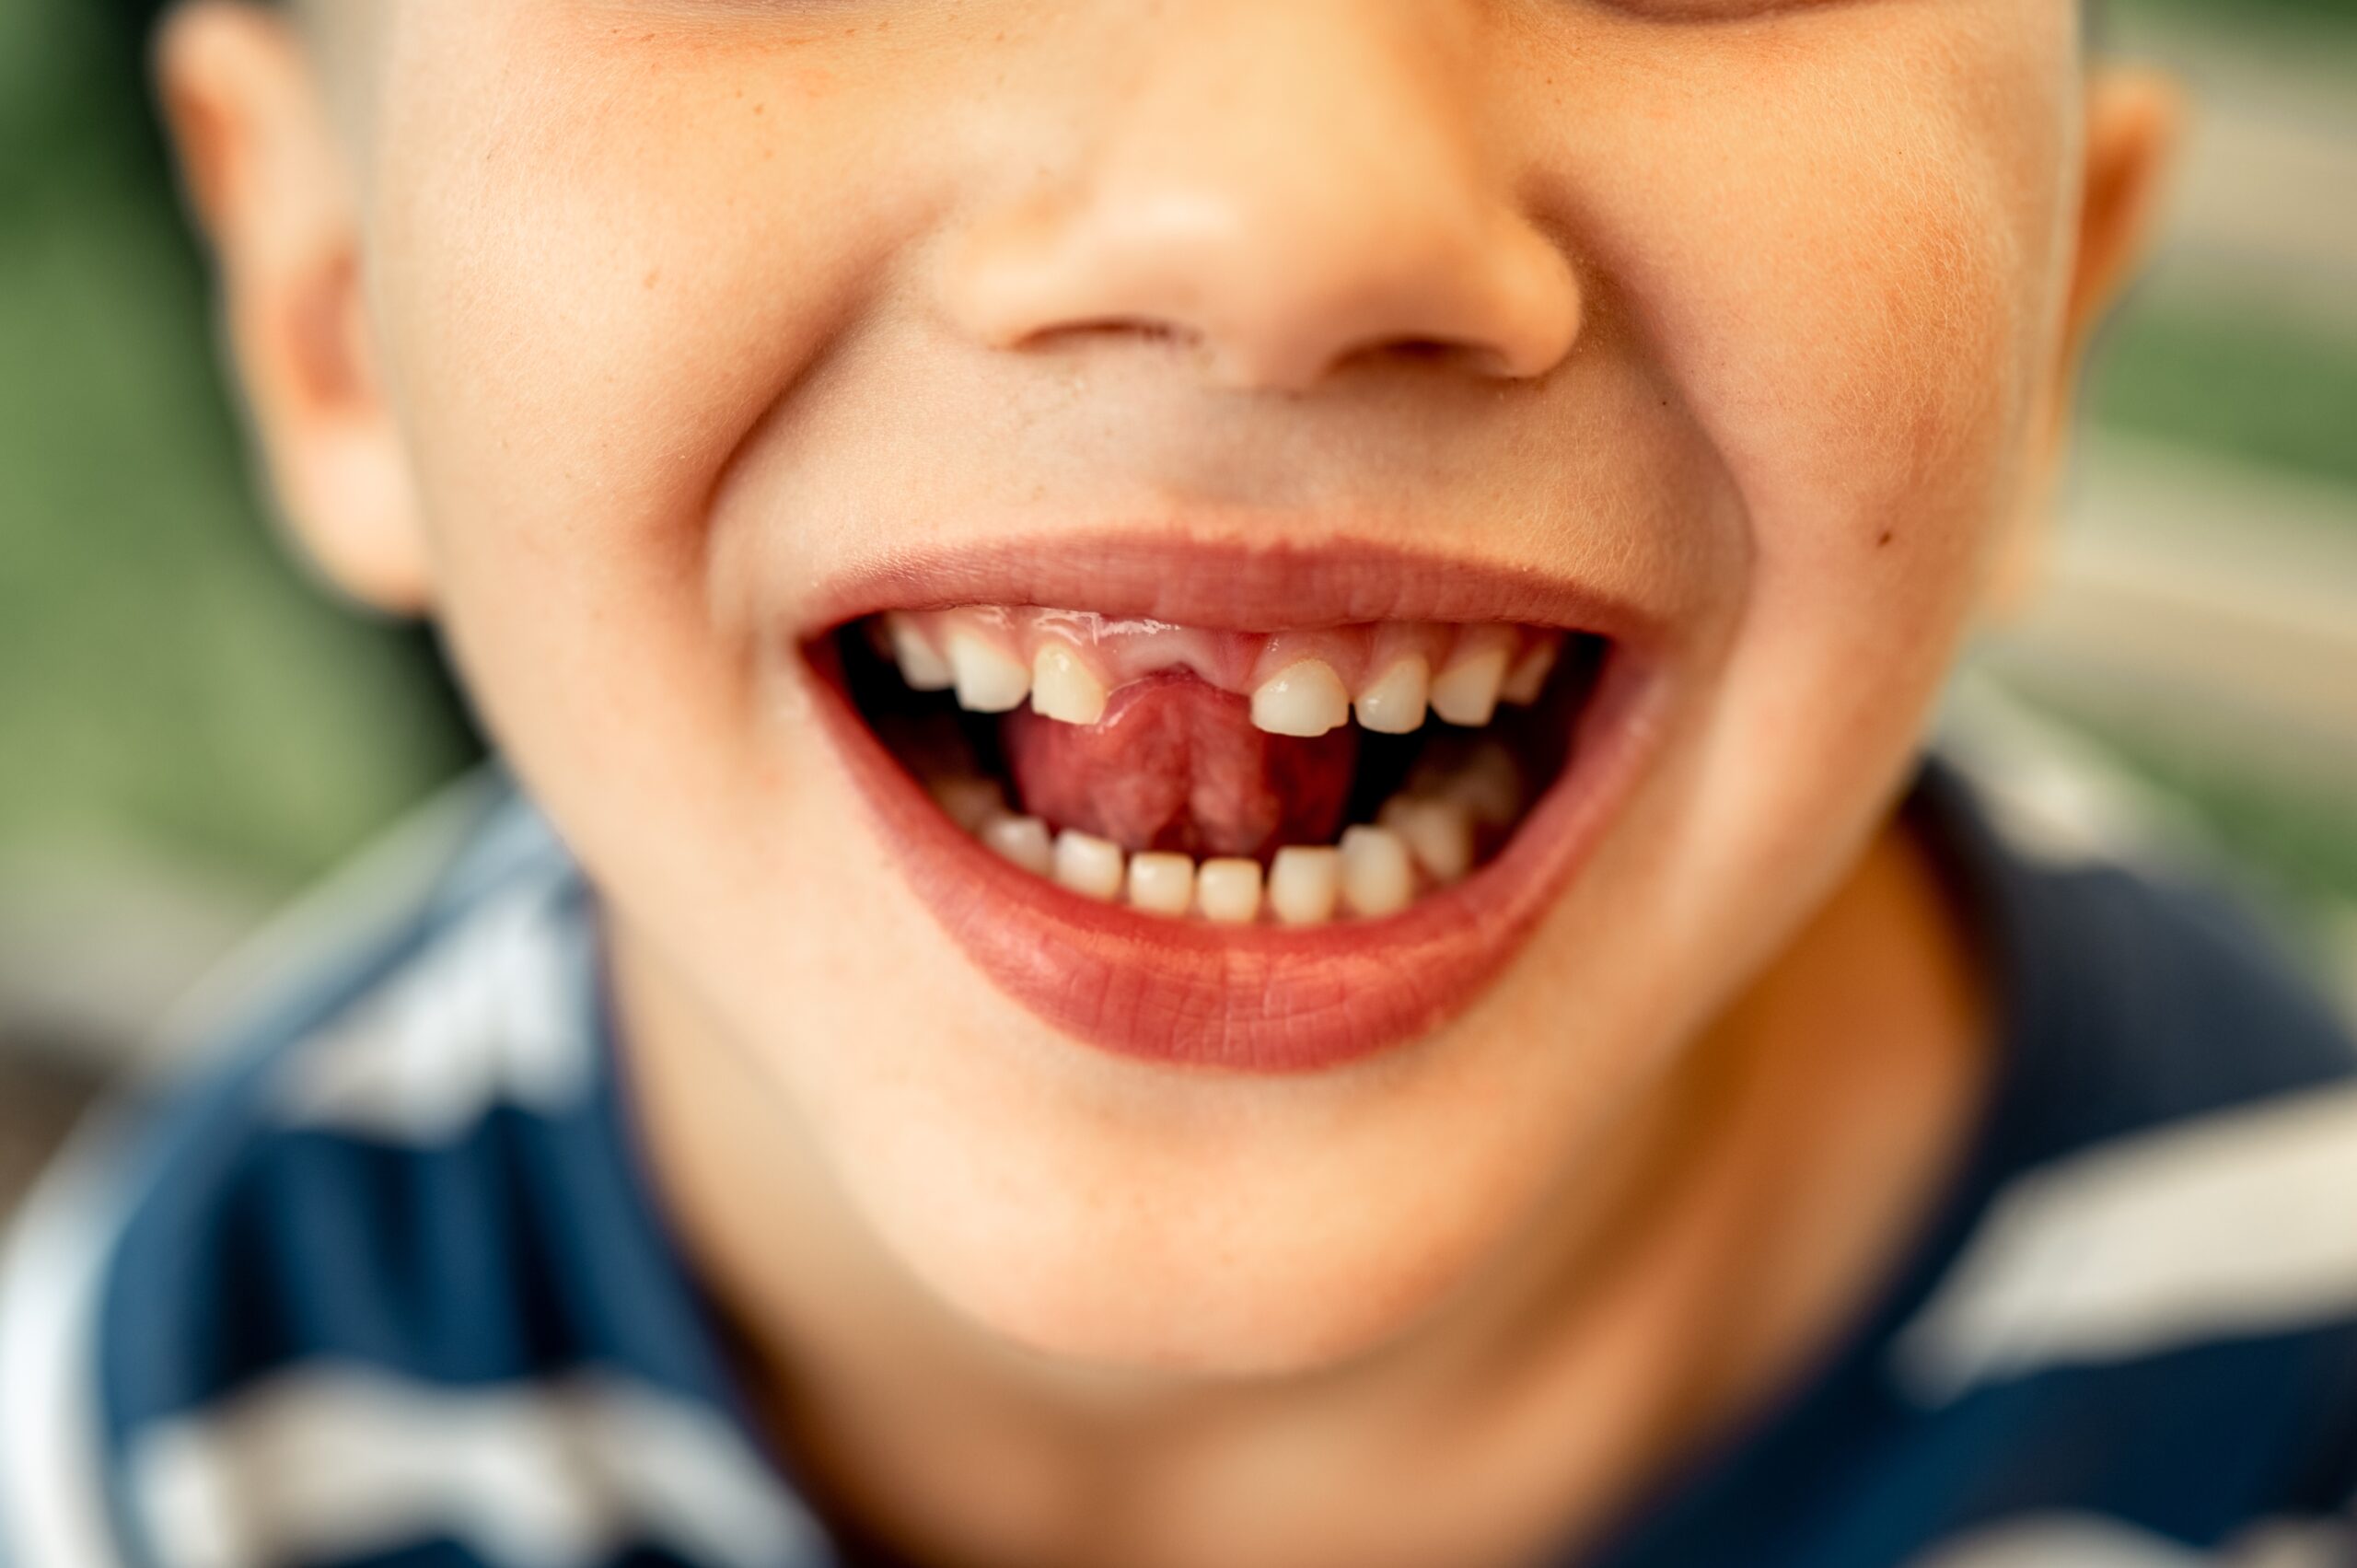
x=1305, y=699
x=1394, y=702
x=1064, y=687
x=989, y=678
x=921, y=666
x=1066, y=667
x=1528, y=677
x=1467, y=692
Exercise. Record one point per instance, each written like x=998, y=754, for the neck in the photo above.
x=1721, y=1229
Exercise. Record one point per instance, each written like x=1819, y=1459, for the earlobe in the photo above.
x=269, y=186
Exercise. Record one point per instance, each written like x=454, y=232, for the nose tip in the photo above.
x=1337, y=204
x=1273, y=294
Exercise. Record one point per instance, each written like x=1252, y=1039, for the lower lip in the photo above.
x=1251, y=999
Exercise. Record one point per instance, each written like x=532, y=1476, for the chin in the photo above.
x=1223, y=1285
x=1117, y=1218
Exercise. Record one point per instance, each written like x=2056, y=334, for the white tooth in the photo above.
x=1305, y=699
x=1088, y=866
x=922, y=667
x=989, y=678
x=1439, y=833
x=1466, y=693
x=1528, y=677
x=1489, y=785
x=1394, y=704
x=1023, y=840
x=1304, y=883
x=1229, y=890
x=1377, y=877
x=968, y=801
x=1162, y=884
x=1062, y=687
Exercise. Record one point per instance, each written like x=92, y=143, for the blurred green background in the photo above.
x=190, y=730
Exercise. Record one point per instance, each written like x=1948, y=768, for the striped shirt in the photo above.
x=384, y=1287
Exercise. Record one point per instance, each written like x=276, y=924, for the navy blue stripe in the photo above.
x=443, y=1553
x=519, y=1249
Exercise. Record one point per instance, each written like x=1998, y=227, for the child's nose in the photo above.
x=1289, y=186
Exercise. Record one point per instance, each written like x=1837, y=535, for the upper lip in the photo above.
x=1235, y=584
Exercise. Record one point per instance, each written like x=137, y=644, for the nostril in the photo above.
x=1444, y=354
x=1143, y=329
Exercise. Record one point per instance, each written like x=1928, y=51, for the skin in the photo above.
x=602, y=330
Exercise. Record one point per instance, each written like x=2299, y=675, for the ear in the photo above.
x=2135, y=120
x=2135, y=117
x=270, y=185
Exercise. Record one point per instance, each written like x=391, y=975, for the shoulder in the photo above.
x=379, y=1252
x=2150, y=1324
x=2145, y=986
x=294, y=1198
x=2176, y=1000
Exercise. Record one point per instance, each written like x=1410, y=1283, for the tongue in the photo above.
x=1176, y=764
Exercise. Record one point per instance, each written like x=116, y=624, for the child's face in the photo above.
x=1726, y=336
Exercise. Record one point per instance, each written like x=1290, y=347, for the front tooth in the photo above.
x=968, y=801
x=1162, y=884
x=1229, y=890
x=922, y=666
x=1466, y=693
x=1062, y=687
x=1305, y=699
x=1394, y=704
x=1088, y=866
x=1439, y=833
x=1023, y=840
x=1377, y=877
x=989, y=678
x=1304, y=883
x=1528, y=677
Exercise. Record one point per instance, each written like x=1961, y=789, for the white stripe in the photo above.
x=2086, y=1541
x=2244, y=1222
x=350, y=912
x=494, y=1013
x=52, y=1458
x=331, y=1462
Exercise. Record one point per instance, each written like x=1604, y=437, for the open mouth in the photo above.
x=1287, y=780
x=1211, y=845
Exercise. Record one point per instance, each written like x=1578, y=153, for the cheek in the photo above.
x=1840, y=250
x=1842, y=253
x=594, y=262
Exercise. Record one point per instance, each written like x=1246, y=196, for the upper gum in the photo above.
x=1120, y=651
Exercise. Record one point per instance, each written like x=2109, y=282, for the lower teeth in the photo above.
x=1424, y=840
